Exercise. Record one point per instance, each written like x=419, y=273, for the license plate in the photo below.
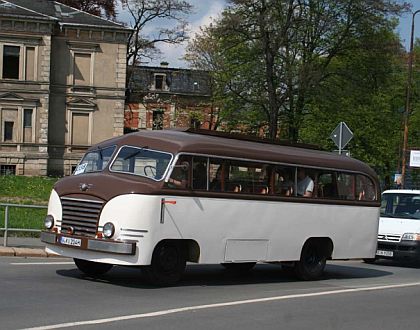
x=384, y=253
x=70, y=241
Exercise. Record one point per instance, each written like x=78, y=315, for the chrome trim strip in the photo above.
x=120, y=248
x=135, y=230
x=128, y=235
x=82, y=200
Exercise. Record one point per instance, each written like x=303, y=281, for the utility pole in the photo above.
x=407, y=102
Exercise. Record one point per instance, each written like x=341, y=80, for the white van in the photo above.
x=399, y=225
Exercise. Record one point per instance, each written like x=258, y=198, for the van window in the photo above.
x=396, y=205
x=142, y=161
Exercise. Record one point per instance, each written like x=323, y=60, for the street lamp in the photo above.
x=407, y=101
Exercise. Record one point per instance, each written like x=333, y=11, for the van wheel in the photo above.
x=92, y=268
x=312, y=262
x=168, y=264
x=239, y=267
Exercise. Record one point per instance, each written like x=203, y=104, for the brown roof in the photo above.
x=176, y=141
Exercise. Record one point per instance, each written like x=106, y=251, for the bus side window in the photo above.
x=284, y=180
x=345, y=184
x=217, y=175
x=180, y=176
x=327, y=187
x=199, y=174
x=365, y=189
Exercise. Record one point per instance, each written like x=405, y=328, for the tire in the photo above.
x=312, y=262
x=369, y=260
x=168, y=264
x=92, y=268
x=239, y=267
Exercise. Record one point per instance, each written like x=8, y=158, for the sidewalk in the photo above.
x=23, y=247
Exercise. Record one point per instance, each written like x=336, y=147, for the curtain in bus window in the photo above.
x=217, y=176
x=199, y=173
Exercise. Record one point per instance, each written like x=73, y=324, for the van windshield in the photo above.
x=94, y=161
x=395, y=205
x=142, y=161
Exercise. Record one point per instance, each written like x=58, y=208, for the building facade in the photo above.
x=163, y=97
x=62, y=85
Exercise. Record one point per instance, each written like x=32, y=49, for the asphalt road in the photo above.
x=50, y=293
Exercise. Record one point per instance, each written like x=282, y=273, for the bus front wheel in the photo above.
x=312, y=262
x=92, y=268
x=168, y=264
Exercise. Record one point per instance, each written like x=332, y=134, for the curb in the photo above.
x=25, y=252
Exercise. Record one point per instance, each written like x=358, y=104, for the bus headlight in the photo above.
x=410, y=237
x=49, y=221
x=108, y=230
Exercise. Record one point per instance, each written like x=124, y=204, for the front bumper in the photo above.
x=89, y=243
x=409, y=250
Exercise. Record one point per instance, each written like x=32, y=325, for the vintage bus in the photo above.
x=160, y=199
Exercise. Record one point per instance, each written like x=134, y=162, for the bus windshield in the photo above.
x=142, y=161
x=406, y=206
x=94, y=161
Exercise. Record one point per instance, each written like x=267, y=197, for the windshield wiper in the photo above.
x=135, y=153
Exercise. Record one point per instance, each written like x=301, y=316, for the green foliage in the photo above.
x=25, y=190
x=365, y=89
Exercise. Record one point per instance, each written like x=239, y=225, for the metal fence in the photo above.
x=7, y=221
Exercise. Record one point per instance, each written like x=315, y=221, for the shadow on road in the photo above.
x=216, y=275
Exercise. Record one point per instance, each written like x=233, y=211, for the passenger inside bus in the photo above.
x=305, y=185
x=284, y=185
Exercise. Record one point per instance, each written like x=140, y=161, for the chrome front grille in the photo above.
x=389, y=237
x=80, y=216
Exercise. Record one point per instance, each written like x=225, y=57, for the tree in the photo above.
x=277, y=52
x=365, y=88
x=94, y=7
x=142, y=42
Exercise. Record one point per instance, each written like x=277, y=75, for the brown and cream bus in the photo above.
x=159, y=199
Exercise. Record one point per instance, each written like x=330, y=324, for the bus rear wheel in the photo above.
x=239, y=267
x=312, y=262
x=92, y=268
x=168, y=264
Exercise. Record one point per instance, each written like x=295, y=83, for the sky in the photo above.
x=205, y=11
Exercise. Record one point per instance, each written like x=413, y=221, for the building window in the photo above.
x=27, y=125
x=159, y=81
x=82, y=69
x=30, y=63
x=7, y=169
x=80, y=129
x=11, y=59
x=8, y=131
x=158, y=120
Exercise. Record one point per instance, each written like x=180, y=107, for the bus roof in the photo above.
x=195, y=141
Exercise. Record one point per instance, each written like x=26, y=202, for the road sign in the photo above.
x=341, y=135
x=415, y=158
